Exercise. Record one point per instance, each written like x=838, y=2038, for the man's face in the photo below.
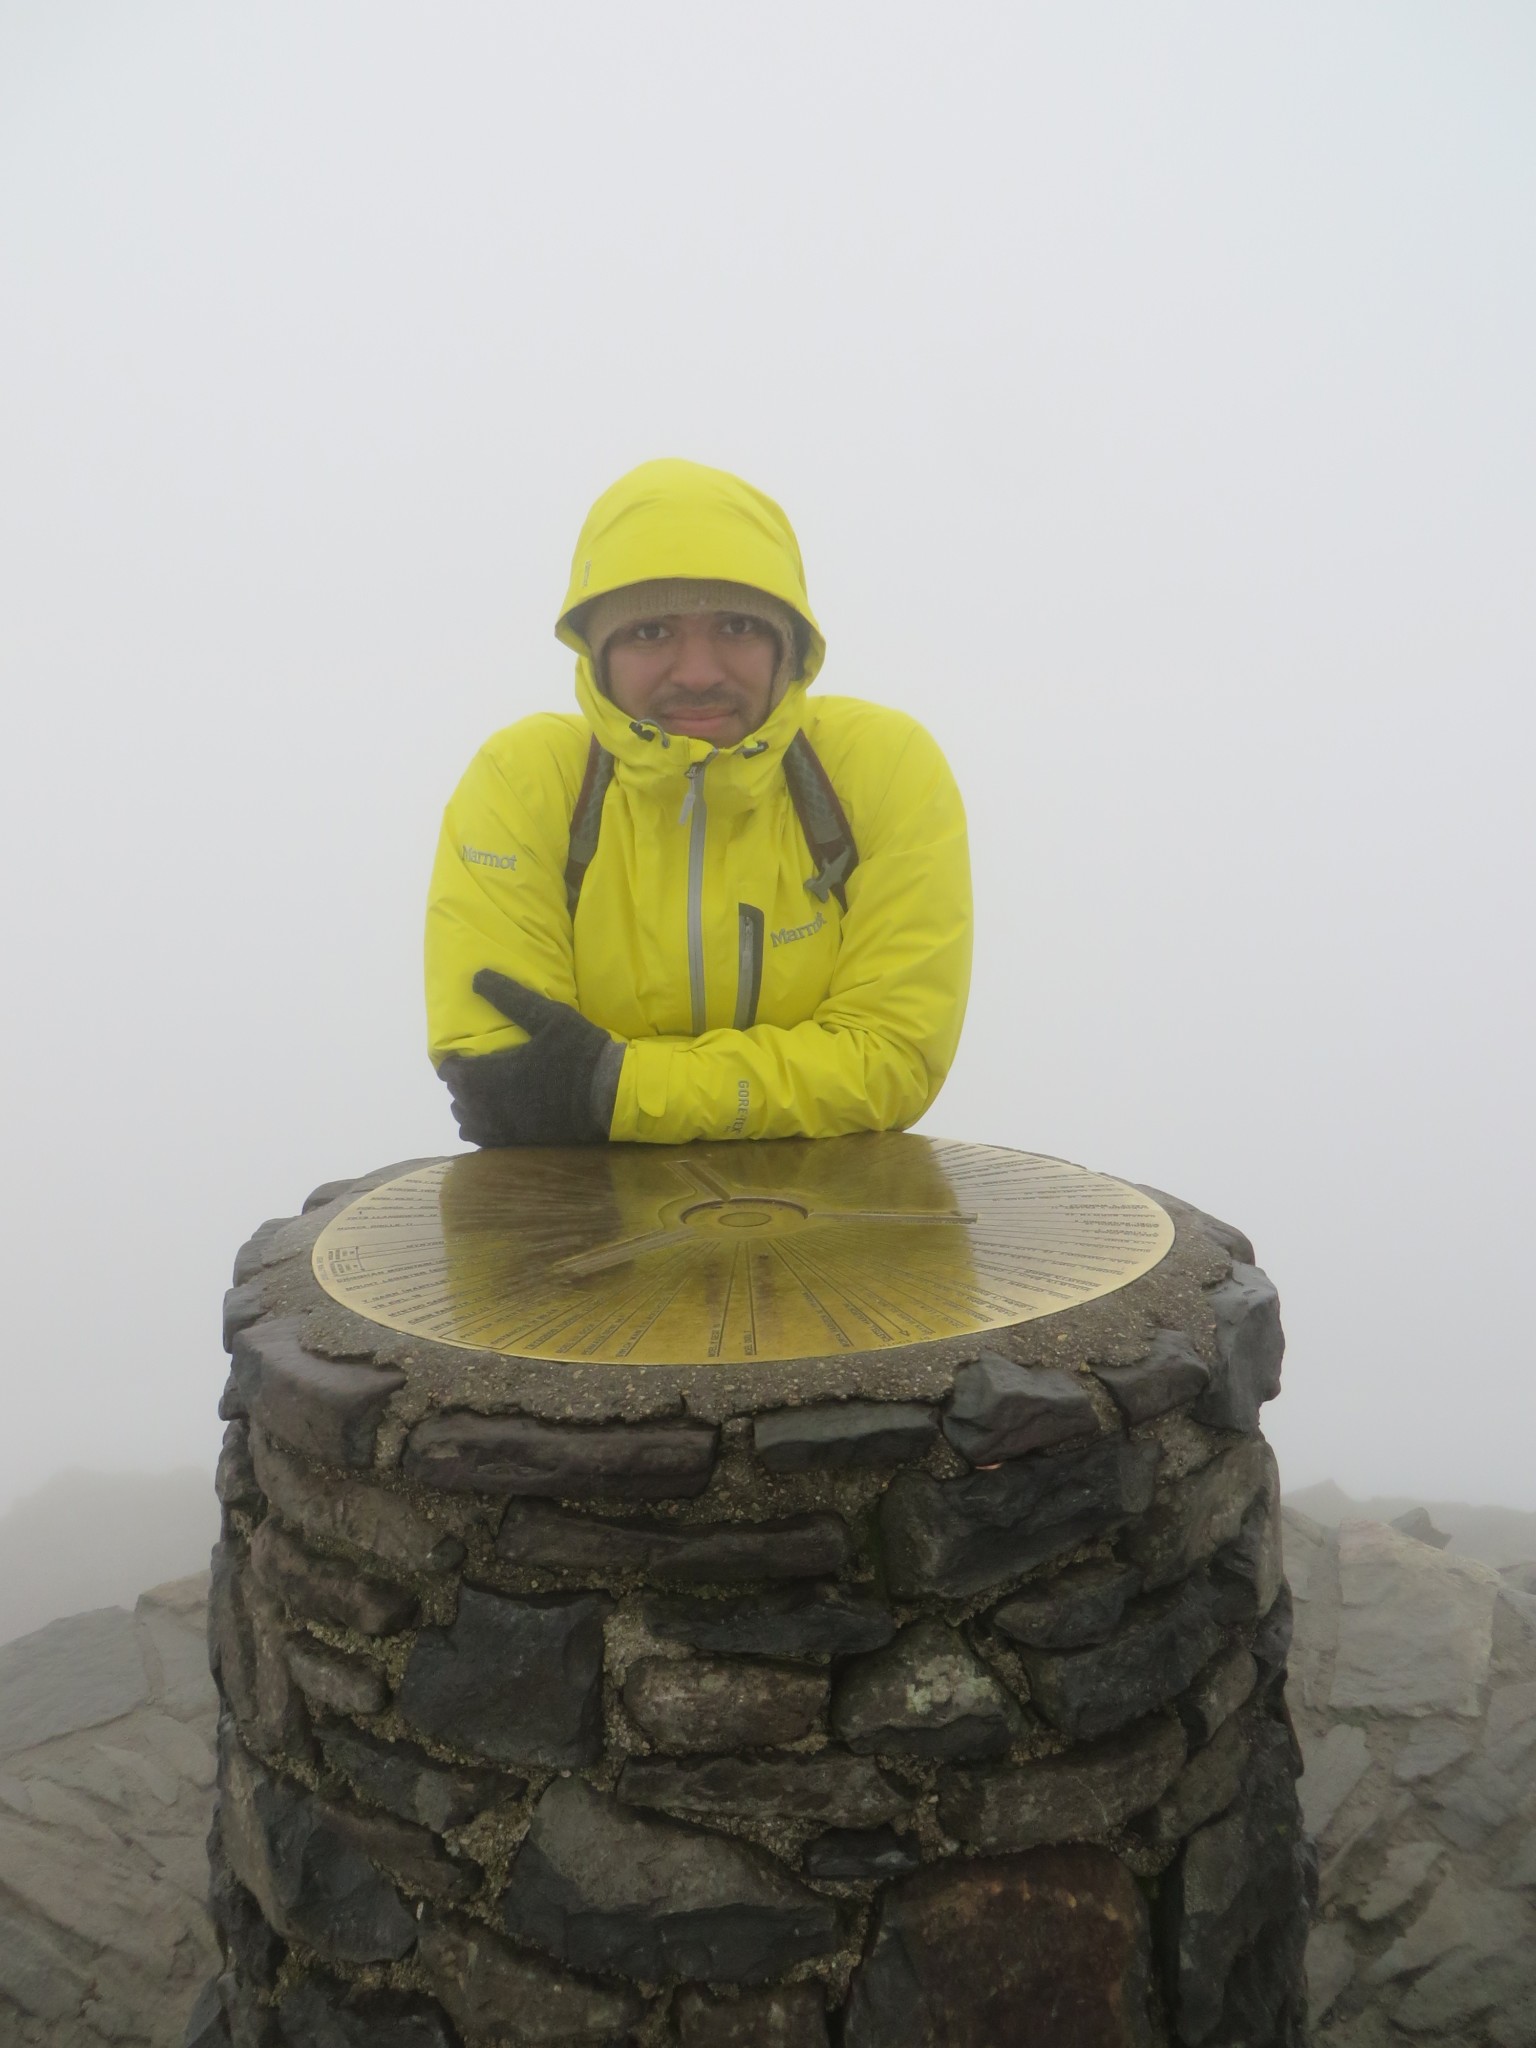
x=706, y=674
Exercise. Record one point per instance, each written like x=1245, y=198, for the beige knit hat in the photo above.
x=605, y=616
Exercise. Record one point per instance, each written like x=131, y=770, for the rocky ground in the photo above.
x=1413, y=1686
x=1414, y=1690
x=106, y=1785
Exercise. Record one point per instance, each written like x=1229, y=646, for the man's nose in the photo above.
x=696, y=665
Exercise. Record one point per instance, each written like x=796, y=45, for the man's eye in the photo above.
x=649, y=629
x=739, y=625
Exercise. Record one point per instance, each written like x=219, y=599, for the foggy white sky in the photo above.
x=1152, y=390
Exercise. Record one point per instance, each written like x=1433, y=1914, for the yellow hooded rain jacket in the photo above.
x=750, y=1008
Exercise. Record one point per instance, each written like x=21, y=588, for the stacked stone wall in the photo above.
x=901, y=1702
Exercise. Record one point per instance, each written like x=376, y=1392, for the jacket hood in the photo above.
x=670, y=518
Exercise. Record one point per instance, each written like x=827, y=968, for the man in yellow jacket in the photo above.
x=713, y=905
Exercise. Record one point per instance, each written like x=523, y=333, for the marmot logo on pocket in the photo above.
x=788, y=935
x=477, y=857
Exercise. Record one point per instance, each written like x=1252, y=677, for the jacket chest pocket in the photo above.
x=750, y=927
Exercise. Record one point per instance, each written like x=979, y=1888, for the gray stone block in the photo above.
x=1272, y=1637
x=1202, y=1513
x=206, y=2026
x=242, y=1307
x=696, y=1704
x=72, y=1674
x=408, y=1782
x=312, y=1884
x=1335, y=1767
x=1159, y=1646
x=1250, y=1345
x=1171, y=1375
x=327, y=1408
x=234, y=1479
x=808, y=1621
x=381, y=1521
x=1236, y=1906
x=325, y=1589
x=791, y=2016
x=537, y=1533
x=604, y=1888
x=247, y=1653
x=851, y=1853
x=1405, y=1871
x=1431, y=1747
x=925, y=1694
x=408, y=1854
x=835, y=1435
x=1206, y=1786
x=1048, y=1948
x=506, y=1455
x=830, y=1786
x=338, y=1679
x=1415, y=1626
x=953, y=1538
x=321, y=2015
x=1252, y=1561
x=484, y=1983
x=1221, y=1688
x=256, y=1252
x=1080, y=1796
x=1001, y=1410
x=1417, y=1524
x=516, y=1681
x=1071, y=1611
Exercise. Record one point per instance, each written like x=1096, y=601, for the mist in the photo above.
x=1151, y=391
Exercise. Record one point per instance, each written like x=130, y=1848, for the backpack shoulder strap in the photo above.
x=586, y=821
x=823, y=821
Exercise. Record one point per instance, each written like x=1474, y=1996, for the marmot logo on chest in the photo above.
x=789, y=933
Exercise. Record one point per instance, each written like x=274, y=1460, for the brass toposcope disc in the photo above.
x=722, y=1254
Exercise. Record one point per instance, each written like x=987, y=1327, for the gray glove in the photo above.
x=558, y=1089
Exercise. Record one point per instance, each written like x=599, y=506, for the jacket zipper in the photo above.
x=749, y=963
x=696, y=817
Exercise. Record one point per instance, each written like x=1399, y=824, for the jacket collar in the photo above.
x=654, y=763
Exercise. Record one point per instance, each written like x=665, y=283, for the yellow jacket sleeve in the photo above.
x=876, y=1051
x=498, y=884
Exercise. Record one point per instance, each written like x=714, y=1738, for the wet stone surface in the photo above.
x=515, y=1681
x=836, y=1435
x=1002, y=1410
x=1082, y=1795
x=540, y=1534
x=517, y=1455
x=714, y=1703
x=482, y=1981
x=819, y=1621
x=408, y=1782
x=952, y=1538
x=1073, y=1610
x=977, y=1954
x=794, y=2016
x=926, y=1694
x=1161, y=1643
x=859, y=1699
x=1170, y=1376
x=832, y=1786
x=605, y=1888
x=849, y=1853
x=327, y=1408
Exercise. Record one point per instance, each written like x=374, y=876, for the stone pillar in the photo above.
x=591, y=1704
